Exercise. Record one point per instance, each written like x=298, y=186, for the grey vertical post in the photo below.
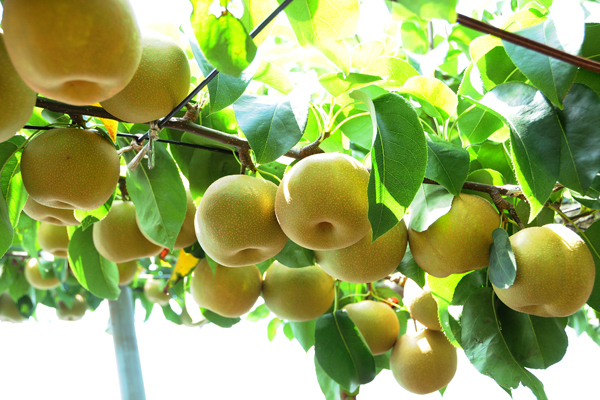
x=126, y=349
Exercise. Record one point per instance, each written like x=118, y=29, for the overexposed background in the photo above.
x=52, y=359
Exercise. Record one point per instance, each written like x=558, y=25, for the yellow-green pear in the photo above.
x=459, y=241
x=55, y=216
x=423, y=362
x=54, y=239
x=73, y=313
x=322, y=202
x=555, y=272
x=16, y=98
x=187, y=235
x=421, y=305
x=297, y=294
x=127, y=271
x=77, y=169
x=153, y=290
x=377, y=323
x=366, y=261
x=161, y=82
x=35, y=279
x=77, y=52
x=235, y=222
x=230, y=292
x=118, y=238
x=8, y=309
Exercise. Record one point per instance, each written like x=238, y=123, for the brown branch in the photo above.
x=538, y=47
x=508, y=190
x=184, y=126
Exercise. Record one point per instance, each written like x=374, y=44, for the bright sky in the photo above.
x=52, y=359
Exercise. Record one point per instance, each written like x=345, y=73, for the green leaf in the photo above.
x=443, y=290
x=206, y=166
x=258, y=313
x=503, y=266
x=269, y=123
x=329, y=387
x=255, y=11
x=272, y=328
x=27, y=230
x=430, y=9
x=224, y=90
x=493, y=64
x=339, y=83
x=9, y=273
x=295, y=256
x=219, y=320
x=270, y=74
x=398, y=161
x=468, y=285
x=494, y=156
x=414, y=37
x=431, y=203
x=94, y=272
x=395, y=71
x=287, y=331
x=436, y=98
x=6, y=229
x=364, y=53
x=304, y=332
x=486, y=347
x=535, y=138
x=224, y=40
x=563, y=30
x=323, y=25
x=477, y=124
x=342, y=351
x=590, y=49
x=158, y=195
x=592, y=239
x=171, y=315
x=580, y=147
x=89, y=218
x=409, y=268
x=536, y=342
x=447, y=164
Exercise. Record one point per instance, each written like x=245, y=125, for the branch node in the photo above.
x=246, y=160
x=502, y=205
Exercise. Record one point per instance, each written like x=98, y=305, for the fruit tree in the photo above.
x=393, y=193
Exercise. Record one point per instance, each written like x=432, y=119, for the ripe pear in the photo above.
x=70, y=168
x=127, y=271
x=366, y=261
x=322, y=202
x=77, y=52
x=153, y=290
x=35, y=279
x=160, y=83
x=16, y=98
x=459, y=241
x=297, y=294
x=230, y=292
x=187, y=234
x=75, y=312
x=55, y=216
x=118, y=238
x=555, y=272
x=8, y=309
x=54, y=239
x=235, y=222
x=421, y=305
x=423, y=362
x=376, y=322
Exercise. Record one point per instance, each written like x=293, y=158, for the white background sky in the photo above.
x=52, y=359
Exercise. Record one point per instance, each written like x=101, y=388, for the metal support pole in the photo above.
x=126, y=349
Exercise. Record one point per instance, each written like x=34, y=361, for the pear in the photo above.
x=377, y=323
x=555, y=272
x=297, y=294
x=322, y=202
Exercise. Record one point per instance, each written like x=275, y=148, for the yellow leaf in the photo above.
x=185, y=263
x=111, y=125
